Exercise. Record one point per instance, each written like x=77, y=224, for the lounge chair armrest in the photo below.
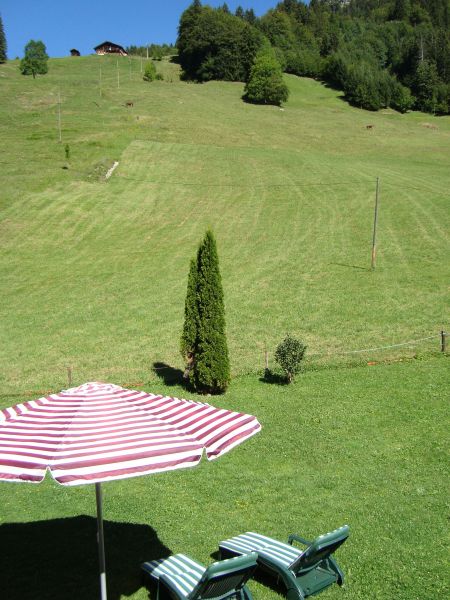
x=296, y=538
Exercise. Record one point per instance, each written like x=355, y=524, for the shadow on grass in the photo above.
x=273, y=377
x=58, y=559
x=351, y=266
x=169, y=375
x=260, y=576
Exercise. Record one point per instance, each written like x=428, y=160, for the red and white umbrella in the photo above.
x=101, y=432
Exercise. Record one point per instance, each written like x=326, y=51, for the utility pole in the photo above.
x=59, y=115
x=375, y=221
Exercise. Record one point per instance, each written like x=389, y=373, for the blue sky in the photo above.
x=83, y=24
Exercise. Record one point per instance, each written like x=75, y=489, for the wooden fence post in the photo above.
x=69, y=376
x=443, y=340
x=375, y=221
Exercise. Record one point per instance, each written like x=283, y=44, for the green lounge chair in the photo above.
x=304, y=573
x=182, y=578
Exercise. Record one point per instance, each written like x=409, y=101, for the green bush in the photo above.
x=149, y=72
x=289, y=355
x=266, y=85
x=402, y=99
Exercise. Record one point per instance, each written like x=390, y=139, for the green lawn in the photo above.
x=94, y=277
x=365, y=446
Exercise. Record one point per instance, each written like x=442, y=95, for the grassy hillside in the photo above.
x=94, y=276
x=95, y=272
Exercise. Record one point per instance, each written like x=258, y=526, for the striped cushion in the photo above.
x=266, y=547
x=183, y=572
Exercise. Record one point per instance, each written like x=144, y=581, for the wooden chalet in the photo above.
x=75, y=52
x=110, y=48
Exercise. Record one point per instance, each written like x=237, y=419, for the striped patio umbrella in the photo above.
x=101, y=432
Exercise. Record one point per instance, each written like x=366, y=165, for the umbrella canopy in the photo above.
x=102, y=432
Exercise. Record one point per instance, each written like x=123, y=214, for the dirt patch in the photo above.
x=429, y=126
x=99, y=170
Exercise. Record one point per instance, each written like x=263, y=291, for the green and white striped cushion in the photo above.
x=266, y=547
x=183, y=572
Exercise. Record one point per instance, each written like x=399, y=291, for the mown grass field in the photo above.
x=94, y=277
x=363, y=446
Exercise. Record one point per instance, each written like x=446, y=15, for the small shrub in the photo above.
x=159, y=77
x=289, y=355
x=149, y=72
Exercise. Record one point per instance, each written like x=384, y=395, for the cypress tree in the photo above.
x=188, y=337
x=265, y=84
x=203, y=341
x=3, y=46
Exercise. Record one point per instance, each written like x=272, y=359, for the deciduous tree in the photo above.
x=35, y=60
x=214, y=44
x=265, y=84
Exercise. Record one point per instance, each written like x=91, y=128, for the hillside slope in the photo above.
x=94, y=272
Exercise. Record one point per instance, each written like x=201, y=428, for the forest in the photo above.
x=380, y=53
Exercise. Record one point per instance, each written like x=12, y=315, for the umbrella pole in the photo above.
x=101, y=541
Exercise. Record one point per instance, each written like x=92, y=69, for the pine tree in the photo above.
x=250, y=16
x=425, y=86
x=203, y=341
x=3, y=46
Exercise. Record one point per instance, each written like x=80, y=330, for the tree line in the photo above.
x=155, y=51
x=381, y=53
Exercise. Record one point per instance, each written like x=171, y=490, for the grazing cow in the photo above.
x=369, y=126
x=129, y=104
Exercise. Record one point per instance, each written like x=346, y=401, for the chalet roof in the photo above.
x=109, y=44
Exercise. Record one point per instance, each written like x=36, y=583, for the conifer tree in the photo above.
x=203, y=341
x=3, y=46
x=188, y=337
